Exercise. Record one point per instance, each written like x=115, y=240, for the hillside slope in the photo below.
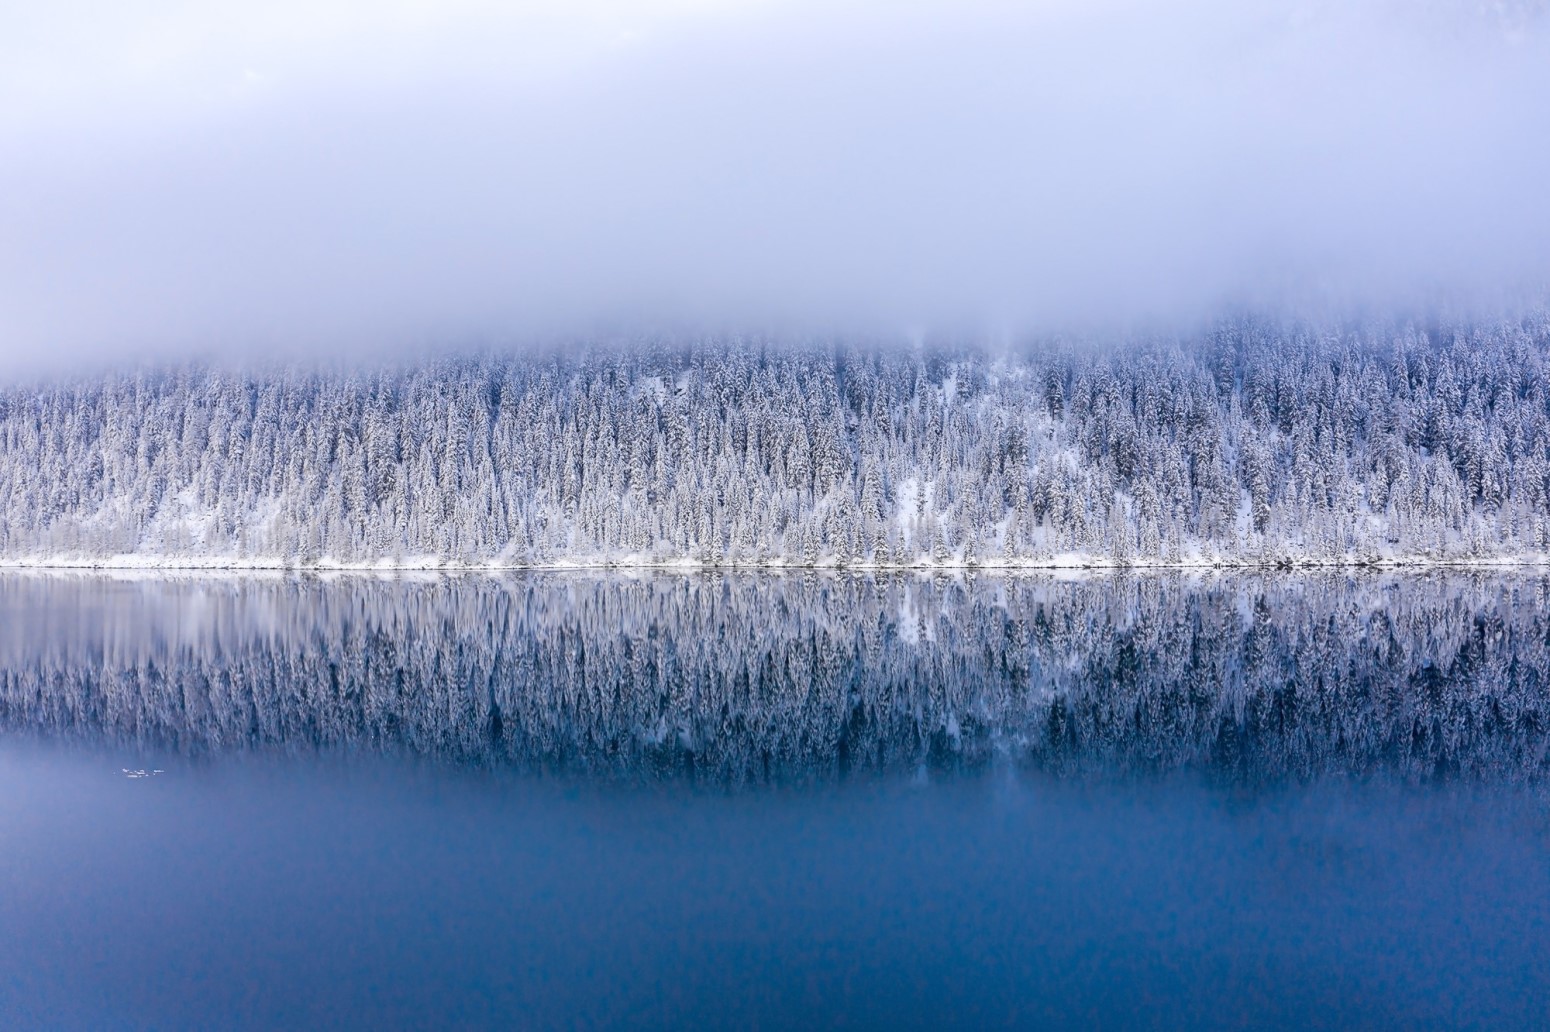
x=1256, y=443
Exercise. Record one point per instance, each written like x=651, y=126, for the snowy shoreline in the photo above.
x=1057, y=564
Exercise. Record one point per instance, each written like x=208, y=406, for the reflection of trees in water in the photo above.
x=743, y=677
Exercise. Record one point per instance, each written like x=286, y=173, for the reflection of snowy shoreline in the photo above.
x=141, y=772
x=746, y=677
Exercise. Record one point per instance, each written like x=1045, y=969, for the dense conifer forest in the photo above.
x=1253, y=443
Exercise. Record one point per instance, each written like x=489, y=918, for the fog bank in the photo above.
x=354, y=176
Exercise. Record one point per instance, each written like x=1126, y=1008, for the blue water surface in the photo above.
x=673, y=802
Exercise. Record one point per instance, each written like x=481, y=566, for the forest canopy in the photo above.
x=1253, y=443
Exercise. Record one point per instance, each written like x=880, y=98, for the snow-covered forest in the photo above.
x=742, y=677
x=1256, y=442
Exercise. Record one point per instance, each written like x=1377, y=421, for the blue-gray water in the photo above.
x=759, y=801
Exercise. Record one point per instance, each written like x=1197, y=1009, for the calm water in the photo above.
x=752, y=801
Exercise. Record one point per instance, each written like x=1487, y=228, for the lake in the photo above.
x=561, y=800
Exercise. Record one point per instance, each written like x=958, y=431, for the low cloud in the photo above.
x=338, y=177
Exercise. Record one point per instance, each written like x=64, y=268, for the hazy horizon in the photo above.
x=348, y=178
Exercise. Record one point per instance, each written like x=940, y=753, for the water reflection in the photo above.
x=745, y=678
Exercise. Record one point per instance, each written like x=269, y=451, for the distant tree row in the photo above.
x=1256, y=442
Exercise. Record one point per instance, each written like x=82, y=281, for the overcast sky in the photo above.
x=309, y=175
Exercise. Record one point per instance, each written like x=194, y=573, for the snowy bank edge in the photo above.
x=1062, y=563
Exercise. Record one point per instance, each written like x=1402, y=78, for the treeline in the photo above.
x=1254, y=443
